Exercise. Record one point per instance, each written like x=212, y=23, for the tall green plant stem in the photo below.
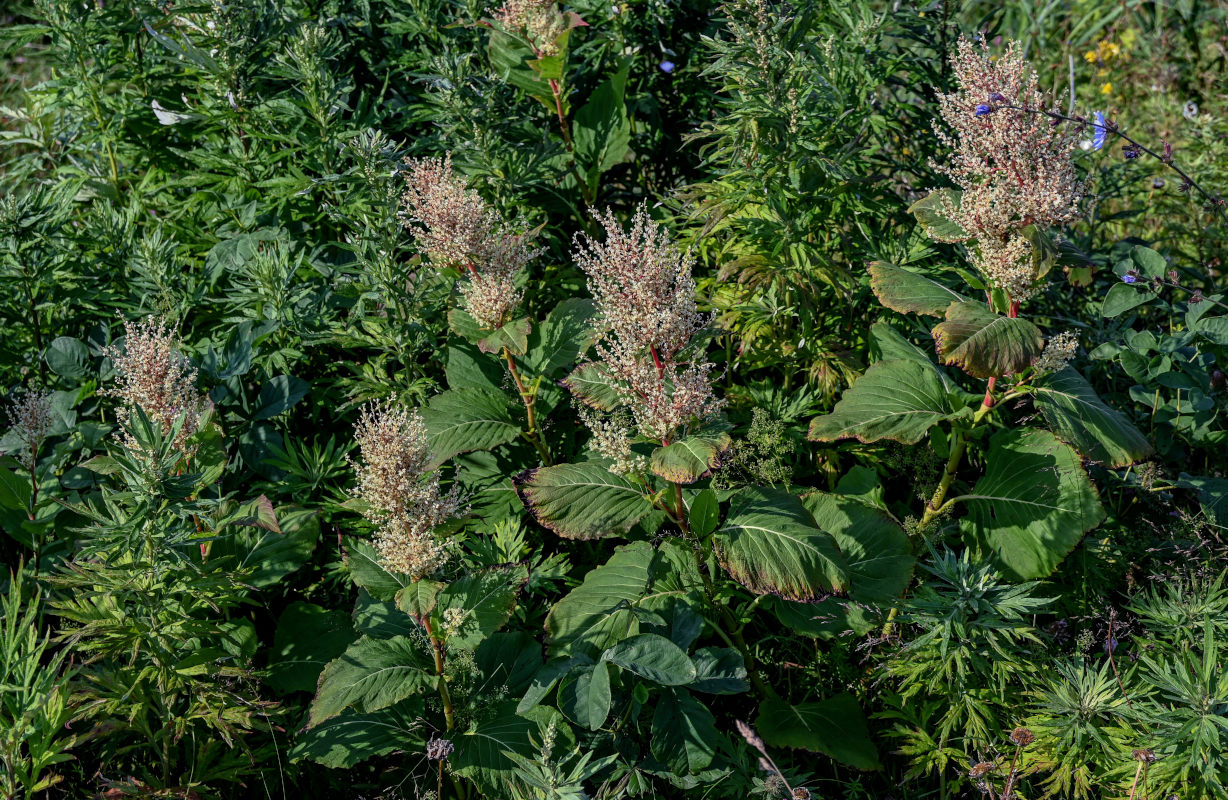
x=529, y=398
x=449, y=714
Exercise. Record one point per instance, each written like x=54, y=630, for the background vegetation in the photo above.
x=195, y=604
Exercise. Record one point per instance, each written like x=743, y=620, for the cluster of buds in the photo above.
x=611, y=438
x=1014, y=167
x=647, y=318
x=30, y=414
x=400, y=489
x=539, y=21
x=456, y=228
x=151, y=374
x=1058, y=352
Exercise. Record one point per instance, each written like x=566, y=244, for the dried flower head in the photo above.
x=153, y=375
x=539, y=21
x=801, y=793
x=438, y=749
x=1022, y=737
x=456, y=228
x=1058, y=352
x=980, y=770
x=1013, y=167
x=30, y=415
x=647, y=318
x=401, y=490
x=1145, y=755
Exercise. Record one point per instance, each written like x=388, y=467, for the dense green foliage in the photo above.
x=612, y=400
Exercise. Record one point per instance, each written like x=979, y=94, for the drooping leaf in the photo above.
x=463, y=420
x=930, y=211
x=684, y=734
x=514, y=335
x=835, y=727
x=1079, y=417
x=898, y=400
x=308, y=637
x=582, y=501
x=877, y=550
x=372, y=674
x=351, y=737
x=1033, y=504
x=593, y=386
x=654, y=658
x=482, y=601
x=584, y=696
x=770, y=544
x=689, y=459
x=986, y=344
x=908, y=292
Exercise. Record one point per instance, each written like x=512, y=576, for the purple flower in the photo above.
x=982, y=110
x=997, y=97
x=1102, y=132
x=667, y=66
x=1129, y=277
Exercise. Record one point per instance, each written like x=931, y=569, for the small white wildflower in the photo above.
x=1058, y=352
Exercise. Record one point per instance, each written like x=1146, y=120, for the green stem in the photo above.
x=529, y=398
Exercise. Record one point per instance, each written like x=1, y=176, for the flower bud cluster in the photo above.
x=456, y=227
x=612, y=440
x=539, y=21
x=1058, y=352
x=30, y=414
x=400, y=489
x=647, y=318
x=1013, y=166
x=151, y=373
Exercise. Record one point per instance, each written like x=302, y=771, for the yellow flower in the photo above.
x=1090, y=56
x=1107, y=88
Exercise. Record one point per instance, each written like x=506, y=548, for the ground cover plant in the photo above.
x=613, y=400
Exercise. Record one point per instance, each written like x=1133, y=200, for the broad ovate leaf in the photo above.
x=1080, y=418
x=1033, y=504
x=909, y=292
x=877, y=550
x=582, y=501
x=514, y=335
x=684, y=735
x=690, y=458
x=898, y=399
x=771, y=545
x=463, y=420
x=474, y=606
x=984, y=343
x=593, y=386
x=654, y=658
x=370, y=675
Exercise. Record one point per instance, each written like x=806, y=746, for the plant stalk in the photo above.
x=529, y=398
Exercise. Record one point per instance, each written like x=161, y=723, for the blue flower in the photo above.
x=1129, y=277
x=667, y=66
x=1102, y=132
x=982, y=110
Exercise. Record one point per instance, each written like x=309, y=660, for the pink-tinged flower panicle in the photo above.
x=401, y=490
x=648, y=319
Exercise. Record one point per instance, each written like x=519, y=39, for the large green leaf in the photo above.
x=654, y=658
x=1033, y=504
x=479, y=753
x=602, y=610
x=684, y=735
x=1079, y=417
x=592, y=384
x=271, y=555
x=770, y=544
x=307, y=638
x=908, y=292
x=582, y=501
x=509, y=660
x=719, y=670
x=986, y=344
x=835, y=727
x=463, y=420
x=898, y=399
x=584, y=696
x=689, y=459
x=368, y=573
x=601, y=128
x=372, y=674
x=352, y=737
x=877, y=550
x=514, y=335
x=1123, y=297
x=476, y=605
